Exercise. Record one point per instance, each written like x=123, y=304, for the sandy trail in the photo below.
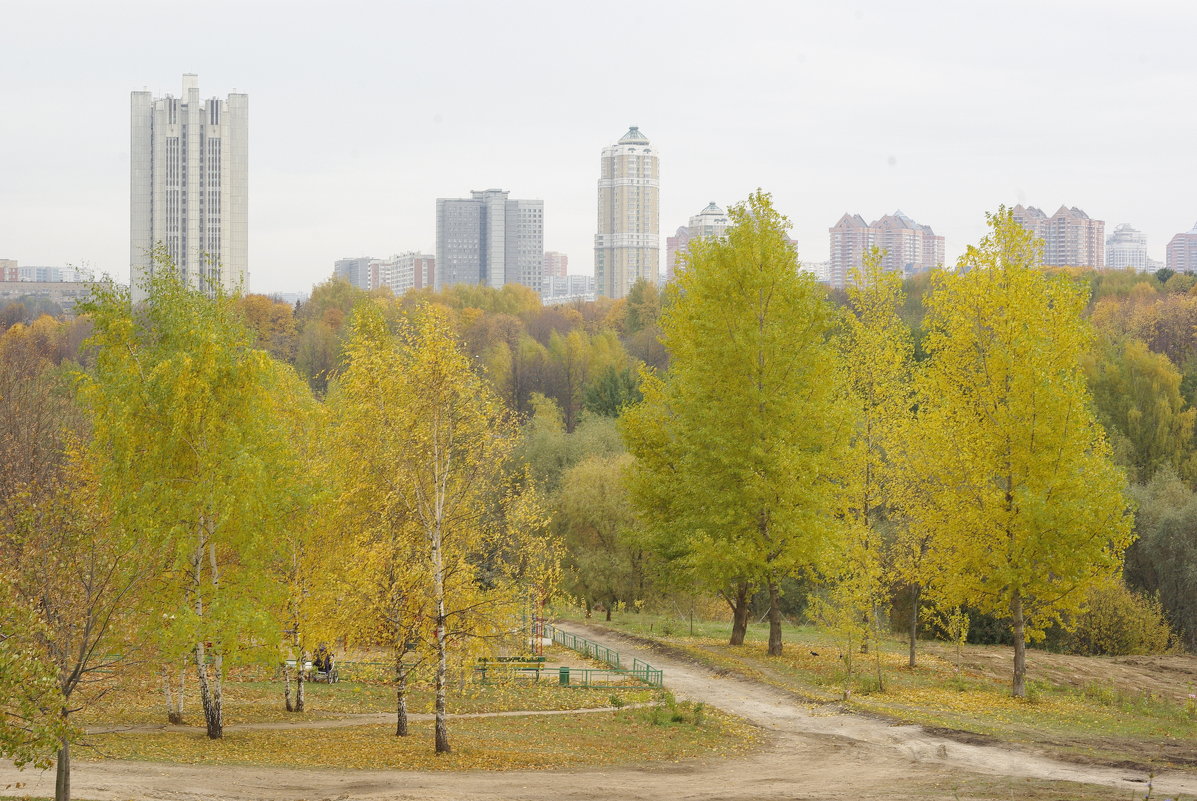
x=810, y=754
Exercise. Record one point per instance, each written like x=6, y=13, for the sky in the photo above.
x=362, y=114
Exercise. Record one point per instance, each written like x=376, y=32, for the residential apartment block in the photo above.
x=407, y=271
x=357, y=271
x=1071, y=238
x=908, y=247
x=556, y=265
x=558, y=289
x=711, y=221
x=627, y=244
x=489, y=239
x=1182, y=252
x=189, y=187
x=1126, y=249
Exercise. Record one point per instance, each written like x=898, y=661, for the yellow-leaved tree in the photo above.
x=423, y=445
x=876, y=354
x=1025, y=502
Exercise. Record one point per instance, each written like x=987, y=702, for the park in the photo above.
x=743, y=539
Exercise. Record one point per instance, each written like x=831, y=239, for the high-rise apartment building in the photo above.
x=908, y=247
x=556, y=265
x=1126, y=248
x=1070, y=237
x=1182, y=252
x=627, y=245
x=9, y=270
x=489, y=239
x=356, y=271
x=407, y=271
x=711, y=221
x=189, y=186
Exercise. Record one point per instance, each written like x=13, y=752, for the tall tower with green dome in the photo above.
x=627, y=245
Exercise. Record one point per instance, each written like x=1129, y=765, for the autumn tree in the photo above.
x=738, y=446
x=1030, y=509
x=876, y=353
x=190, y=451
x=446, y=452
x=81, y=574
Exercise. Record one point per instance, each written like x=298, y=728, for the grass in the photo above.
x=1068, y=711
x=138, y=701
x=509, y=743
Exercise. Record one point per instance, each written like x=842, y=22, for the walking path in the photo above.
x=810, y=754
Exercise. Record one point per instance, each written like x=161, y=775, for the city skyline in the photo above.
x=775, y=107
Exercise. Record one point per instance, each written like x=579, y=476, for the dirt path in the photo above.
x=810, y=755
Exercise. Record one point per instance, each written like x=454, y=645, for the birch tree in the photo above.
x=190, y=450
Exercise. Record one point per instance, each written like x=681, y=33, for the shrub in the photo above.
x=1118, y=622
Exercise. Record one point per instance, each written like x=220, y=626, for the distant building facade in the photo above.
x=627, y=245
x=189, y=187
x=909, y=247
x=1182, y=252
x=11, y=271
x=711, y=221
x=1071, y=238
x=489, y=239
x=556, y=265
x=1126, y=249
x=407, y=271
x=558, y=289
x=356, y=271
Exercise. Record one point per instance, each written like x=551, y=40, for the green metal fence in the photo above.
x=639, y=670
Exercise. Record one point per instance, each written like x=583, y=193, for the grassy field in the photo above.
x=1125, y=710
x=507, y=743
x=134, y=698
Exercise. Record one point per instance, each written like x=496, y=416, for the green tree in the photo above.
x=594, y=516
x=1138, y=398
x=1030, y=509
x=738, y=447
x=190, y=450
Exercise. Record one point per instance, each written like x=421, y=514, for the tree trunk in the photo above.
x=609, y=612
x=287, y=687
x=400, y=694
x=62, y=773
x=300, y=685
x=915, y=594
x=210, y=693
x=740, y=614
x=174, y=703
x=1019, y=689
x=774, y=619
x=438, y=588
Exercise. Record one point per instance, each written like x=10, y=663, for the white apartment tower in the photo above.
x=1126, y=249
x=627, y=245
x=189, y=186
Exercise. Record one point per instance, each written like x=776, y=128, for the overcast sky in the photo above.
x=361, y=115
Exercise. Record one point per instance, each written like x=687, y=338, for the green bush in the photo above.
x=1118, y=622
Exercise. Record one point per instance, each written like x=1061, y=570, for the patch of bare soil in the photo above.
x=1170, y=677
